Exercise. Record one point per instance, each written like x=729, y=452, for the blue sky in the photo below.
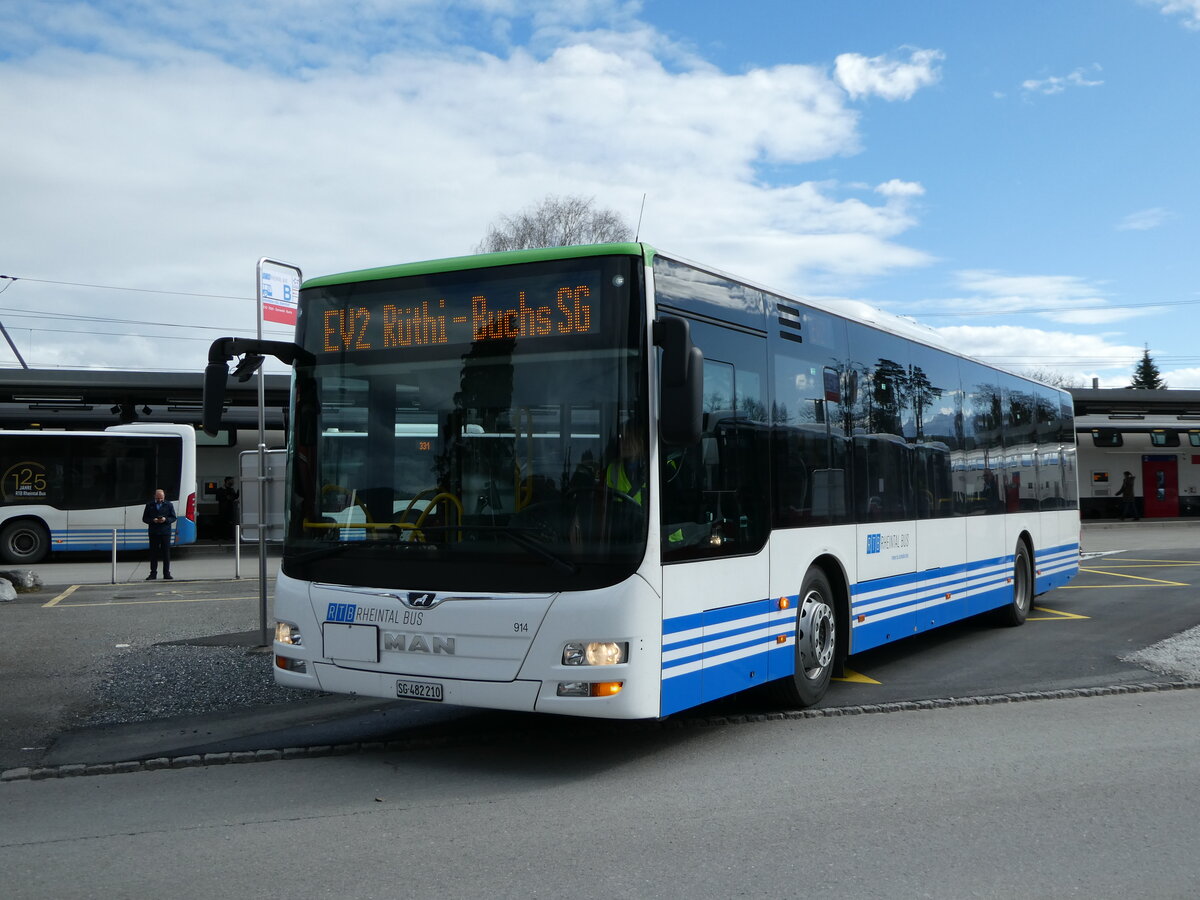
x=1018, y=175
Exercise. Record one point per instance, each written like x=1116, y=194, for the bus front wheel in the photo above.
x=24, y=542
x=816, y=643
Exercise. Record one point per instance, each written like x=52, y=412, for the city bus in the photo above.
x=604, y=481
x=71, y=490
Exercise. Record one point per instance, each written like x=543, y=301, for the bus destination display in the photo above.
x=471, y=317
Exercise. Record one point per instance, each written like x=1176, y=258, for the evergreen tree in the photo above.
x=1145, y=374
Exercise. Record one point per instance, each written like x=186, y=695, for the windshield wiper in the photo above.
x=522, y=538
x=335, y=548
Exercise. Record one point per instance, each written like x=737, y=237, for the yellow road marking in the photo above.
x=1134, y=577
x=1058, y=616
x=856, y=678
x=143, y=602
x=171, y=600
x=63, y=596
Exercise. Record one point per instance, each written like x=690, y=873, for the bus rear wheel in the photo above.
x=24, y=542
x=816, y=643
x=1016, y=610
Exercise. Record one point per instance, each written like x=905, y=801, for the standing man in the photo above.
x=227, y=502
x=159, y=516
x=1128, y=503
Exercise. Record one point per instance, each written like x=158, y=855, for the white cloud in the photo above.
x=1181, y=379
x=1188, y=9
x=1144, y=219
x=1058, y=298
x=1015, y=346
x=158, y=151
x=898, y=188
x=1056, y=84
x=890, y=79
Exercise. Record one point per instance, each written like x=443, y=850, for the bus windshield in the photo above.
x=474, y=430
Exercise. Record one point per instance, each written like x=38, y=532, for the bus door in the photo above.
x=91, y=493
x=1160, y=487
x=714, y=523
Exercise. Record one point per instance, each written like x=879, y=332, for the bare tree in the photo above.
x=556, y=222
x=1053, y=377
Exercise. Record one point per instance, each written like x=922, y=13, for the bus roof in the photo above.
x=481, y=261
x=852, y=310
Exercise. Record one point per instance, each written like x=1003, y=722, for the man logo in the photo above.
x=416, y=600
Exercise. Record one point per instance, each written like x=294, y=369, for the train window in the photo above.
x=1160, y=437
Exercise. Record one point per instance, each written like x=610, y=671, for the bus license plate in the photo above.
x=418, y=690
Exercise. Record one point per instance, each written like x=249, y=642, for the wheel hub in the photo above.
x=816, y=635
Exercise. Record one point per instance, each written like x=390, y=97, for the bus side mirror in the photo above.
x=681, y=390
x=216, y=374
x=252, y=351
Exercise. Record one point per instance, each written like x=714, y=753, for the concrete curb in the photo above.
x=42, y=773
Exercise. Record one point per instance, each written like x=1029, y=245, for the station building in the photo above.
x=1155, y=435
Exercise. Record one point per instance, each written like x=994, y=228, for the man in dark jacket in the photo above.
x=159, y=516
x=1128, y=501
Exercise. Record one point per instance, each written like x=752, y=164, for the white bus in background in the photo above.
x=602, y=481
x=69, y=490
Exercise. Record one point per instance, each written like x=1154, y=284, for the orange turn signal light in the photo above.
x=607, y=688
x=784, y=603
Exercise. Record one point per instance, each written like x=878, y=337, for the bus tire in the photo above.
x=24, y=542
x=1017, y=609
x=816, y=643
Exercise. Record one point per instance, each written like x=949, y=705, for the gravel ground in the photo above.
x=183, y=680
x=1178, y=655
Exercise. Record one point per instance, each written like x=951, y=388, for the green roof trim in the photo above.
x=483, y=261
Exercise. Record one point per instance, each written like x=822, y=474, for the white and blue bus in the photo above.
x=70, y=490
x=603, y=481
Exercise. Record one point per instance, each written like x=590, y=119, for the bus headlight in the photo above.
x=287, y=633
x=595, y=653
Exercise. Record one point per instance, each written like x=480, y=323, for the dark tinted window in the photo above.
x=983, y=440
x=716, y=492
x=89, y=471
x=1107, y=437
x=691, y=290
x=1020, y=445
x=1047, y=413
x=936, y=399
x=810, y=411
x=884, y=425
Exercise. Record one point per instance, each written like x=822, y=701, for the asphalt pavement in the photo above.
x=49, y=674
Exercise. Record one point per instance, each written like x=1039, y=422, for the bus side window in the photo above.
x=716, y=493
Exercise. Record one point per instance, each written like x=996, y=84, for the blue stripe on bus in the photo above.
x=721, y=664
x=100, y=538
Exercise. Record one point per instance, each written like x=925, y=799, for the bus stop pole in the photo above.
x=262, y=473
x=114, y=557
